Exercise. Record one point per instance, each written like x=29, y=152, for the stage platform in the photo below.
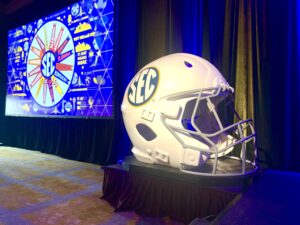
x=155, y=190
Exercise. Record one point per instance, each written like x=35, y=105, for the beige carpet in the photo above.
x=40, y=189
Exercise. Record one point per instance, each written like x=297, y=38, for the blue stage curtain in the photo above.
x=126, y=40
x=285, y=68
x=192, y=27
x=255, y=45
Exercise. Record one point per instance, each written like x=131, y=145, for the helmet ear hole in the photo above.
x=146, y=132
x=187, y=64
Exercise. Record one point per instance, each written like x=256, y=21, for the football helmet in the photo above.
x=176, y=112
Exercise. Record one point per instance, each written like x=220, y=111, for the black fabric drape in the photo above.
x=83, y=140
x=157, y=196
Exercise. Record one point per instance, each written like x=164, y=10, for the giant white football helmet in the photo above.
x=174, y=110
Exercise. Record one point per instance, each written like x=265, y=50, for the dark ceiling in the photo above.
x=5, y=1
x=9, y=6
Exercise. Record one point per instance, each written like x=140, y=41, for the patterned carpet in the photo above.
x=40, y=189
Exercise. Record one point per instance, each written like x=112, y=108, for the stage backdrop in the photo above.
x=255, y=44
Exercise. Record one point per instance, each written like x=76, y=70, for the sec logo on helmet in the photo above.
x=143, y=86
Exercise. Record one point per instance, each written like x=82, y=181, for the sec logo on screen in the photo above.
x=50, y=63
x=143, y=86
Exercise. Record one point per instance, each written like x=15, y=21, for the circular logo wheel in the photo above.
x=50, y=63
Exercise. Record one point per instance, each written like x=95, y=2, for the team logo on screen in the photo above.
x=50, y=64
x=143, y=86
x=62, y=64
